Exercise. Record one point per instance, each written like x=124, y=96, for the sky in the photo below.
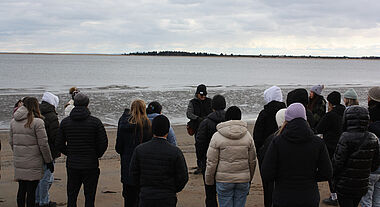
x=268, y=27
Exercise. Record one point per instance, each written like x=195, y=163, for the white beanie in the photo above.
x=51, y=99
x=273, y=94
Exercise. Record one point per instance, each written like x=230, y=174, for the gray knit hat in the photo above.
x=374, y=93
x=351, y=94
x=317, y=89
x=81, y=99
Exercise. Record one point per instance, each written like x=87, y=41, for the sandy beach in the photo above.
x=109, y=187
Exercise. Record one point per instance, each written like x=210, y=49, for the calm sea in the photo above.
x=113, y=82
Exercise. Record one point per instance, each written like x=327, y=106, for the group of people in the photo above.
x=297, y=144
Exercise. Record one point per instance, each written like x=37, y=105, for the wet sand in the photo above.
x=109, y=186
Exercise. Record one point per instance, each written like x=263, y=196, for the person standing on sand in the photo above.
x=350, y=98
x=295, y=161
x=198, y=109
x=317, y=104
x=154, y=109
x=231, y=160
x=206, y=129
x=47, y=107
x=133, y=129
x=29, y=143
x=158, y=168
x=83, y=139
x=330, y=127
x=70, y=105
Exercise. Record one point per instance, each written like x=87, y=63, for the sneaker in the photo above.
x=197, y=171
x=330, y=201
x=51, y=204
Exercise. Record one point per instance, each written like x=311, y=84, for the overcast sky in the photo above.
x=291, y=27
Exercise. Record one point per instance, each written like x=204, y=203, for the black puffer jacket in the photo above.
x=128, y=137
x=266, y=124
x=206, y=129
x=82, y=138
x=331, y=128
x=159, y=169
x=51, y=126
x=356, y=155
x=296, y=160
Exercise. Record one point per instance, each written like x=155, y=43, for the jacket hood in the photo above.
x=51, y=99
x=297, y=131
x=299, y=95
x=79, y=113
x=46, y=108
x=233, y=129
x=273, y=94
x=339, y=109
x=21, y=113
x=356, y=119
x=217, y=116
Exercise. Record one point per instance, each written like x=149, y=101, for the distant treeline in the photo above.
x=203, y=54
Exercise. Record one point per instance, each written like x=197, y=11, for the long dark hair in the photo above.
x=32, y=105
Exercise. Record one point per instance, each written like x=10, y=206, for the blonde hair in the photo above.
x=138, y=116
x=281, y=128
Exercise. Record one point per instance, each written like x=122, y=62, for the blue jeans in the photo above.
x=372, y=198
x=232, y=194
x=42, y=191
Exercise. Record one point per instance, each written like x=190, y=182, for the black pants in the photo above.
x=168, y=202
x=347, y=201
x=268, y=187
x=75, y=178
x=210, y=193
x=27, y=189
x=130, y=195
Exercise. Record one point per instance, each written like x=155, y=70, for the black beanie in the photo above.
x=218, y=102
x=233, y=113
x=334, y=98
x=201, y=89
x=160, y=125
x=298, y=95
x=154, y=107
x=80, y=99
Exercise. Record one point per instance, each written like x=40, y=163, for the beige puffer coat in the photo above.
x=30, y=146
x=231, y=156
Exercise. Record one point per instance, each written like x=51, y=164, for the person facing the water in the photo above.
x=350, y=98
x=70, y=105
x=231, y=160
x=83, y=139
x=317, y=104
x=133, y=129
x=29, y=143
x=198, y=109
x=158, y=168
x=154, y=109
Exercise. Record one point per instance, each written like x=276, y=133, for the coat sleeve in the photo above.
x=324, y=171
x=190, y=112
x=269, y=168
x=119, y=140
x=171, y=137
x=376, y=158
x=323, y=125
x=213, y=153
x=258, y=131
x=182, y=175
x=134, y=169
x=340, y=156
x=60, y=142
x=252, y=159
x=52, y=131
x=101, y=140
x=42, y=141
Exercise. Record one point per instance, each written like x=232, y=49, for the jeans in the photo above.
x=372, y=198
x=232, y=194
x=348, y=201
x=42, y=191
x=26, y=189
x=75, y=178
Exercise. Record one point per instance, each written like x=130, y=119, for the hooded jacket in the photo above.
x=231, y=156
x=356, y=155
x=296, y=160
x=51, y=126
x=206, y=129
x=30, y=146
x=82, y=138
x=300, y=95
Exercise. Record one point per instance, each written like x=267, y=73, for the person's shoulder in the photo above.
x=38, y=121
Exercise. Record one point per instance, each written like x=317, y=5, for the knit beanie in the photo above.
x=280, y=117
x=154, y=107
x=201, y=89
x=298, y=95
x=296, y=110
x=317, y=89
x=160, y=125
x=233, y=113
x=51, y=99
x=334, y=98
x=218, y=102
x=374, y=93
x=81, y=99
x=351, y=94
x=273, y=94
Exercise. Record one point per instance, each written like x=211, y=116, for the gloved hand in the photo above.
x=50, y=166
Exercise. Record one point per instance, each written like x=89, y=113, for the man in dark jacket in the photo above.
x=300, y=95
x=83, y=139
x=198, y=109
x=356, y=155
x=206, y=129
x=47, y=107
x=158, y=168
x=330, y=127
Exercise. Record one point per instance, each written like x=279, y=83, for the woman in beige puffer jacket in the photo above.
x=30, y=147
x=231, y=160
